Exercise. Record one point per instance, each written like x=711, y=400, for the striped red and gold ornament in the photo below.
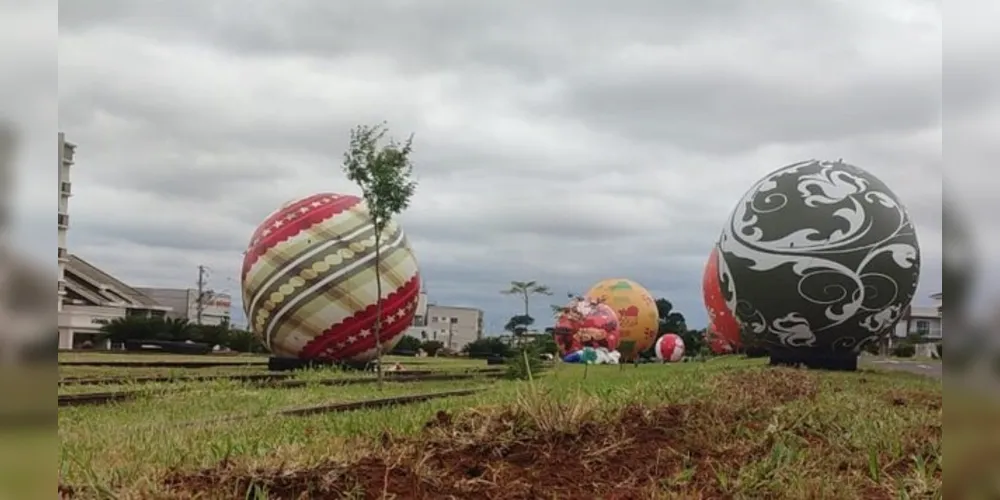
x=308, y=280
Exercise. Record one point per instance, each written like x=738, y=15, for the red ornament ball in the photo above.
x=720, y=319
x=669, y=347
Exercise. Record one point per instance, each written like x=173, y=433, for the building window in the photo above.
x=923, y=327
x=63, y=253
x=65, y=187
x=63, y=221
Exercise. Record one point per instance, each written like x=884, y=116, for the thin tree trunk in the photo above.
x=378, y=305
x=527, y=314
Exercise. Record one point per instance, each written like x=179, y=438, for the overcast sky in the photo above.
x=558, y=141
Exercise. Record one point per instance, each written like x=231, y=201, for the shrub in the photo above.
x=518, y=368
x=904, y=350
x=486, y=347
x=873, y=348
x=408, y=344
x=431, y=347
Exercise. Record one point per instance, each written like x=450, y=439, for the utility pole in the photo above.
x=451, y=324
x=200, y=304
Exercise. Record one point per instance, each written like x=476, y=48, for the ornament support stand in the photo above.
x=846, y=362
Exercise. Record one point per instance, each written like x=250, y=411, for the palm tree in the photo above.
x=526, y=289
x=130, y=328
x=179, y=329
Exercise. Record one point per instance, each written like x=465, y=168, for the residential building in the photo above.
x=418, y=328
x=93, y=298
x=922, y=320
x=455, y=327
x=216, y=308
x=67, y=152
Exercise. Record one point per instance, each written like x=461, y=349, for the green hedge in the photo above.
x=904, y=350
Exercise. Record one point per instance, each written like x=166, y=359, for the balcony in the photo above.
x=63, y=254
x=68, y=153
x=63, y=221
x=66, y=188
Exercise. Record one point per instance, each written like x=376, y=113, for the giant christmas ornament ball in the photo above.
x=725, y=331
x=309, y=286
x=669, y=348
x=586, y=323
x=636, y=311
x=717, y=343
x=818, y=259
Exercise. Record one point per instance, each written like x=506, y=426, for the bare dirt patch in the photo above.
x=537, y=450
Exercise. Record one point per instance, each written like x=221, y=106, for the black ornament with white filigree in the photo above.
x=818, y=259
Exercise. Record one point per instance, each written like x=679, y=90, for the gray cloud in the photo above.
x=557, y=141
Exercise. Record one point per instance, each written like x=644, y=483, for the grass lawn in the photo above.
x=725, y=429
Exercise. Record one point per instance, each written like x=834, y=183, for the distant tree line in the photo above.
x=138, y=328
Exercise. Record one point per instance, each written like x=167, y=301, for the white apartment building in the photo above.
x=67, y=151
x=216, y=307
x=922, y=320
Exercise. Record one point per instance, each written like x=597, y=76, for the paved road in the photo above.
x=928, y=368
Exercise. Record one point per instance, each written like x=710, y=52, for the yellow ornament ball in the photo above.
x=636, y=310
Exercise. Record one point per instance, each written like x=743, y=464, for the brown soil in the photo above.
x=642, y=452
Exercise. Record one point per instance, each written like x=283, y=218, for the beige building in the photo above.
x=215, y=307
x=455, y=327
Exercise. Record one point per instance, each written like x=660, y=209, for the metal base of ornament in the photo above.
x=832, y=362
x=280, y=364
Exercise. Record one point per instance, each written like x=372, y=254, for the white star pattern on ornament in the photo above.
x=340, y=345
x=352, y=339
x=325, y=200
x=316, y=204
x=304, y=210
x=277, y=224
x=364, y=333
x=265, y=232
